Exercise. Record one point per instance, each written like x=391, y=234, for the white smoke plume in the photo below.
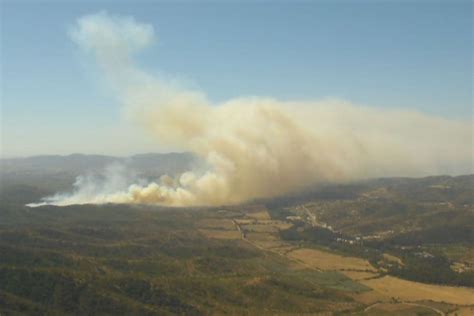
x=258, y=147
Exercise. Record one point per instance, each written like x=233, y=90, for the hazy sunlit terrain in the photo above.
x=247, y=159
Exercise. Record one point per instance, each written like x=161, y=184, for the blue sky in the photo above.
x=410, y=54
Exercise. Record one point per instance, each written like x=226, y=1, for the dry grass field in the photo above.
x=260, y=215
x=413, y=291
x=392, y=258
x=400, y=309
x=359, y=275
x=216, y=223
x=218, y=228
x=261, y=237
x=245, y=221
x=258, y=228
x=463, y=311
x=276, y=223
x=263, y=233
x=370, y=297
x=327, y=261
x=273, y=245
x=221, y=234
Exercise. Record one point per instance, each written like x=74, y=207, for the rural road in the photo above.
x=368, y=308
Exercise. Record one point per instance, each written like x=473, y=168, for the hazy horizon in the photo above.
x=95, y=154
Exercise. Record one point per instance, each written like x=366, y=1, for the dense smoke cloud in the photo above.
x=258, y=147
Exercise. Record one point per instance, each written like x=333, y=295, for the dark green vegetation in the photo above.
x=118, y=259
x=142, y=260
x=415, y=220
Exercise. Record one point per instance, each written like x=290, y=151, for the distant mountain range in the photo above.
x=80, y=163
x=48, y=174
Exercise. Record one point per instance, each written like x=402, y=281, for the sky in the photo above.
x=385, y=54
